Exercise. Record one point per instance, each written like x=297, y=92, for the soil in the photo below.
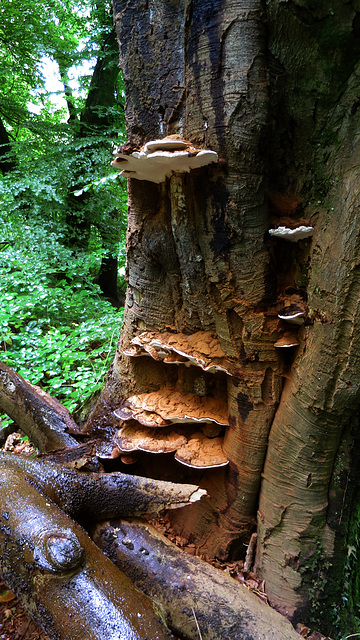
x=14, y=622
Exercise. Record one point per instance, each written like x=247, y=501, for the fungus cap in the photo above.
x=145, y=418
x=294, y=314
x=159, y=159
x=169, y=143
x=130, y=458
x=201, y=452
x=201, y=349
x=177, y=407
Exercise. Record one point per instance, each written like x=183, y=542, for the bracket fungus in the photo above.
x=287, y=340
x=146, y=418
x=195, y=450
x=177, y=407
x=131, y=438
x=201, y=349
x=292, y=235
x=201, y=452
x=159, y=159
x=293, y=314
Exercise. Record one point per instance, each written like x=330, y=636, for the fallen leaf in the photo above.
x=7, y=596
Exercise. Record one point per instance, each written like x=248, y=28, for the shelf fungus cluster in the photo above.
x=159, y=159
x=151, y=423
x=169, y=420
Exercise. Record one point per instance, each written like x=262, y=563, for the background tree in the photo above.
x=274, y=89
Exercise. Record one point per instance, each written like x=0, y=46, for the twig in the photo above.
x=249, y=559
x=197, y=624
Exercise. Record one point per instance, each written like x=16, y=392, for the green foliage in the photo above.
x=317, y=568
x=55, y=328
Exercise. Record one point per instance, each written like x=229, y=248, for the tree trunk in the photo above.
x=192, y=270
x=95, y=120
x=49, y=562
x=273, y=89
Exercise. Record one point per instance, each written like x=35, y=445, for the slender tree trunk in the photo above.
x=7, y=163
x=96, y=119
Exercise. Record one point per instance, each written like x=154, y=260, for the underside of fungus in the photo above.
x=159, y=159
x=194, y=450
x=201, y=349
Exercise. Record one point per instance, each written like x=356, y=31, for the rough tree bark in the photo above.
x=189, y=240
x=273, y=88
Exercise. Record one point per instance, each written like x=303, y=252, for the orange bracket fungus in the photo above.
x=199, y=450
x=131, y=438
x=159, y=159
x=201, y=349
x=177, y=407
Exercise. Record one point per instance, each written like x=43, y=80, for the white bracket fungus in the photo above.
x=292, y=235
x=159, y=159
x=293, y=314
